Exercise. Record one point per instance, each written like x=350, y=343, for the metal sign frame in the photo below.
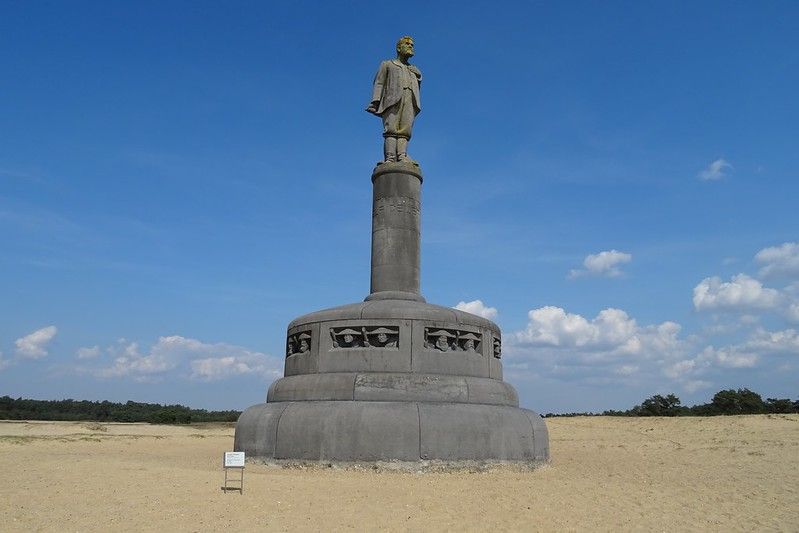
x=233, y=461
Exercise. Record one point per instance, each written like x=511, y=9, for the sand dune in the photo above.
x=653, y=474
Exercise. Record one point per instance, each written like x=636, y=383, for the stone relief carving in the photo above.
x=451, y=340
x=298, y=343
x=497, y=348
x=440, y=339
x=469, y=342
x=380, y=337
x=383, y=337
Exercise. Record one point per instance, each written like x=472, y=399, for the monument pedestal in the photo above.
x=393, y=378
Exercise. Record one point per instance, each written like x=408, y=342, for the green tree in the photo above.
x=780, y=405
x=738, y=402
x=659, y=405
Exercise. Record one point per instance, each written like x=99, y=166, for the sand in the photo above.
x=646, y=474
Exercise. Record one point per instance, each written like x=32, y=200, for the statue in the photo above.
x=393, y=378
x=395, y=99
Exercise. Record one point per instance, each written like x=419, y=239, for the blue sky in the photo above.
x=615, y=183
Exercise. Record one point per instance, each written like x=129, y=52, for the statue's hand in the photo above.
x=372, y=108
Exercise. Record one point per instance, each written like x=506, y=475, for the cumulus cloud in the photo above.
x=88, y=352
x=570, y=338
x=476, y=307
x=774, y=342
x=740, y=293
x=34, y=345
x=213, y=368
x=204, y=361
x=613, y=346
x=605, y=264
x=3, y=362
x=679, y=369
x=779, y=261
x=728, y=357
x=553, y=326
x=128, y=360
x=715, y=170
x=746, y=354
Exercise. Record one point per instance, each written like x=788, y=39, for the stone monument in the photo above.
x=393, y=378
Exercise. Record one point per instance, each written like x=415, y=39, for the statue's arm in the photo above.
x=377, y=88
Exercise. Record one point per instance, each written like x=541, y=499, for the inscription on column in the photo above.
x=395, y=205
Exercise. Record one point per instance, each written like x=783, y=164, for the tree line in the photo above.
x=105, y=411
x=725, y=402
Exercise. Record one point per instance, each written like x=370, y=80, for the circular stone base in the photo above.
x=355, y=431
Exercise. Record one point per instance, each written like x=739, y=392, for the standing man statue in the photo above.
x=395, y=99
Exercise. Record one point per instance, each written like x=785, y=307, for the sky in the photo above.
x=615, y=184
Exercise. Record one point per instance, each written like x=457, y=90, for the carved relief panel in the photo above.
x=497, y=347
x=451, y=340
x=298, y=343
x=364, y=337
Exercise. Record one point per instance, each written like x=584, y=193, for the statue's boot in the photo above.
x=402, y=152
x=390, y=149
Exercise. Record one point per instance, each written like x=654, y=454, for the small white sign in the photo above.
x=234, y=460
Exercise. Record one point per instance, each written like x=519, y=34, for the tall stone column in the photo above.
x=396, y=230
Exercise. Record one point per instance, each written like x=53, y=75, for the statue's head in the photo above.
x=441, y=343
x=405, y=46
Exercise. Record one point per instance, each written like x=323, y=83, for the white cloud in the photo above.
x=728, y=357
x=715, y=170
x=34, y=345
x=88, y=352
x=3, y=362
x=129, y=361
x=603, y=264
x=779, y=261
x=213, y=368
x=476, y=307
x=613, y=346
x=568, y=338
x=741, y=293
x=774, y=342
x=747, y=354
x=205, y=361
x=555, y=327
x=680, y=368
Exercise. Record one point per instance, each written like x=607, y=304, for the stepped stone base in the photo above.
x=392, y=379
x=385, y=431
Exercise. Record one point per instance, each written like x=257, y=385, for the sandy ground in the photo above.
x=647, y=474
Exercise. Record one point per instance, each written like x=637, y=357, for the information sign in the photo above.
x=234, y=460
